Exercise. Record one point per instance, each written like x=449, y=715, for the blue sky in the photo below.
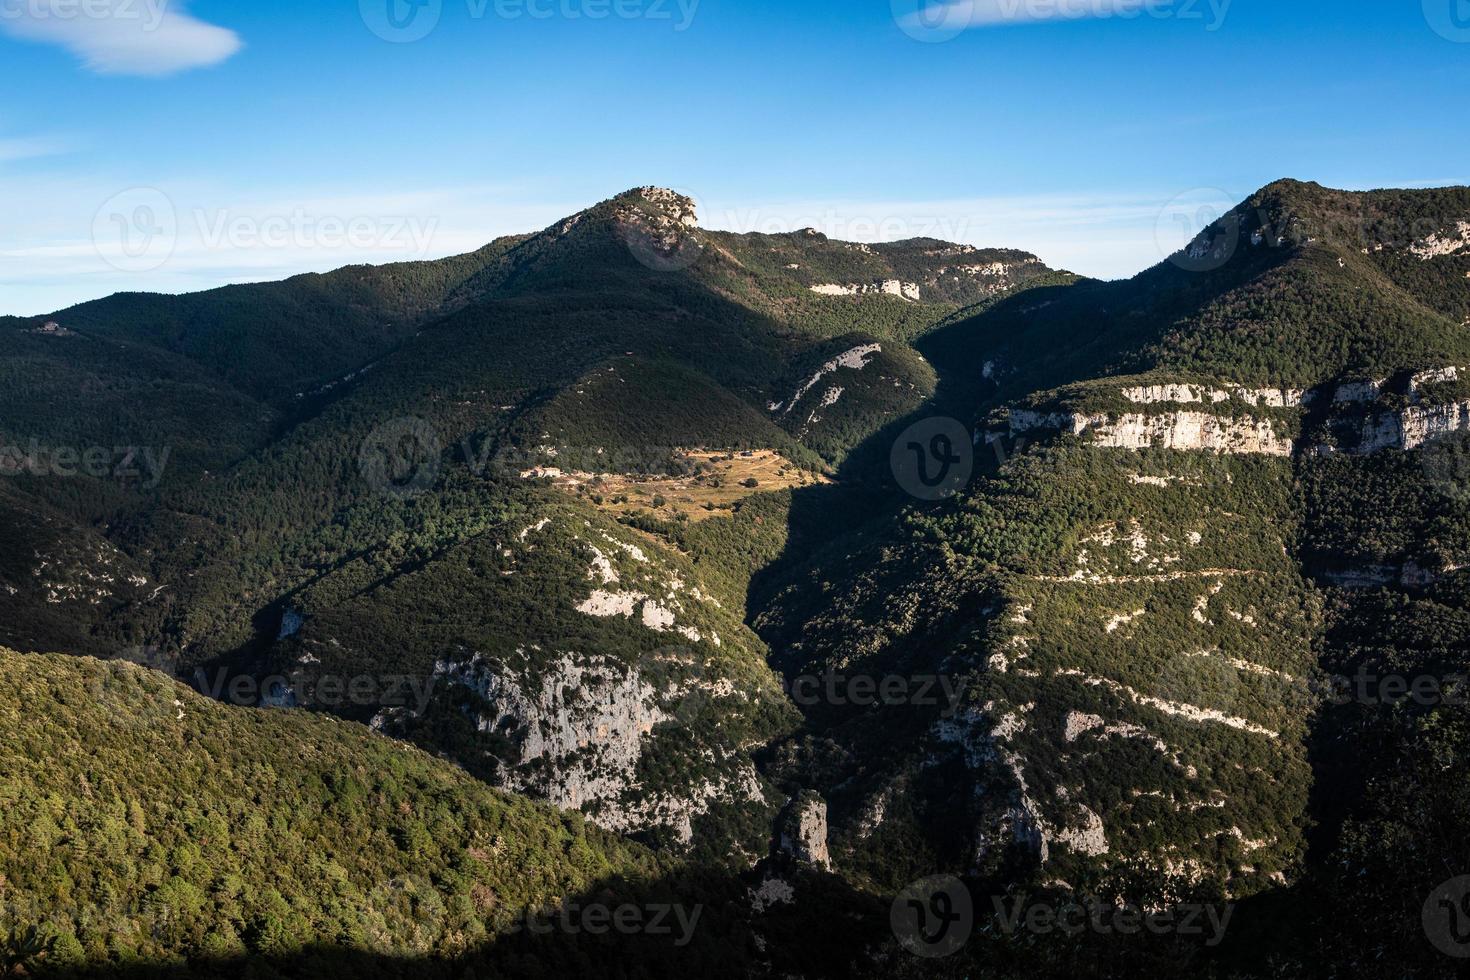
x=240, y=142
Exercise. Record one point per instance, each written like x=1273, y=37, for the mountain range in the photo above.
x=361, y=613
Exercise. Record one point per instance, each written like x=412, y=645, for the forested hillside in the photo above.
x=577, y=517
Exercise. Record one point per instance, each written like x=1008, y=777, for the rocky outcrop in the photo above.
x=888, y=287
x=1195, y=394
x=1356, y=392
x=1412, y=427
x=1089, y=839
x=1360, y=427
x=678, y=206
x=1233, y=435
x=1192, y=430
x=803, y=832
x=583, y=718
x=852, y=360
x=1450, y=243
x=1433, y=376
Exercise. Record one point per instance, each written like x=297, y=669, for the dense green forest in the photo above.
x=371, y=476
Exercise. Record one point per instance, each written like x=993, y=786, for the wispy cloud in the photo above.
x=1109, y=236
x=940, y=19
x=28, y=149
x=69, y=237
x=121, y=37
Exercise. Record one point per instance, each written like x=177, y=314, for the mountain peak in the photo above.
x=680, y=207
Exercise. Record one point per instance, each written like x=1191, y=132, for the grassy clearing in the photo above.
x=714, y=482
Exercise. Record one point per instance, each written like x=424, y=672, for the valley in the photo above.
x=606, y=490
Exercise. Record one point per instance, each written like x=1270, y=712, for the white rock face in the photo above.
x=1089, y=839
x=682, y=208
x=1405, y=429
x=773, y=891
x=1079, y=723
x=888, y=287
x=1271, y=397
x=1024, y=820
x=1194, y=394
x=1242, y=435
x=1194, y=430
x=586, y=716
x=1414, y=426
x=1432, y=377
x=1450, y=243
x=852, y=360
x=1358, y=391
x=804, y=835
x=582, y=725
x=1121, y=620
x=604, y=603
x=657, y=618
x=1178, y=709
x=1153, y=394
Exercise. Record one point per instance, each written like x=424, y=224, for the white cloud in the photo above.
x=28, y=149
x=121, y=37
x=947, y=17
